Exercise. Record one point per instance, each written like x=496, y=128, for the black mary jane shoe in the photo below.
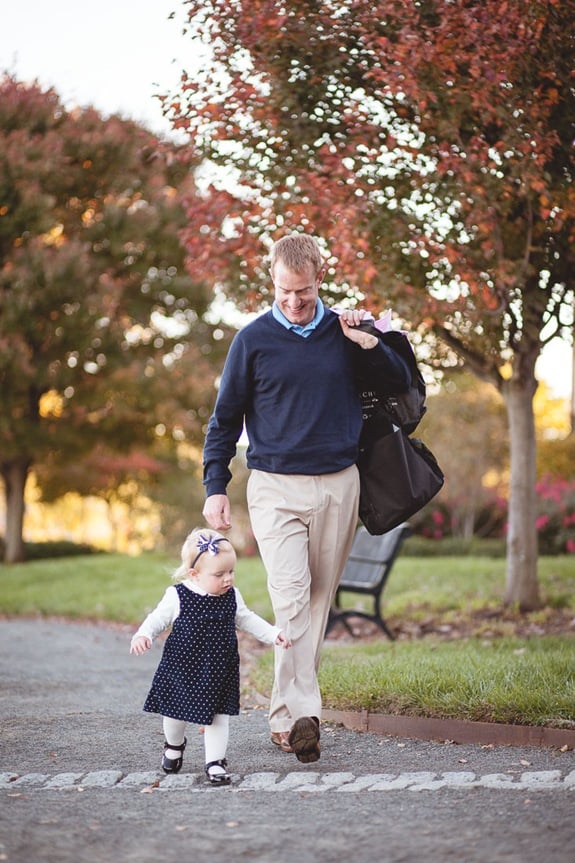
x=218, y=778
x=173, y=765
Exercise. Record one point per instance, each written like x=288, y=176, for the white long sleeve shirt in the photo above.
x=168, y=609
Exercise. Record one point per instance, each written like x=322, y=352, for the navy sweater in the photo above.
x=298, y=397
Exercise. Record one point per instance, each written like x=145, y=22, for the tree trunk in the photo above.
x=521, y=586
x=14, y=474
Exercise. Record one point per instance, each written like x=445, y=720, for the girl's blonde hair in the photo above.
x=191, y=549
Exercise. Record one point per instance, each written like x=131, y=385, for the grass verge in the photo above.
x=516, y=681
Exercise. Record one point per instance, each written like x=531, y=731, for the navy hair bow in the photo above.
x=209, y=544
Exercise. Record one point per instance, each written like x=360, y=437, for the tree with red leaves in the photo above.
x=430, y=144
x=92, y=282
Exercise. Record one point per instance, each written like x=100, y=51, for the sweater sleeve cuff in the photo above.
x=215, y=486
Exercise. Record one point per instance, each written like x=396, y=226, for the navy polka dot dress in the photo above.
x=199, y=672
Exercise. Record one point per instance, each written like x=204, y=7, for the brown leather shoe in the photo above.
x=304, y=739
x=280, y=738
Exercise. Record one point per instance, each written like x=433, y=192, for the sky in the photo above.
x=116, y=55
x=113, y=54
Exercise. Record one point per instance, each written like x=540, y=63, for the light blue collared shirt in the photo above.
x=296, y=328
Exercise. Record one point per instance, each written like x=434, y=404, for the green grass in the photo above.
x=107, y=586
x=451, y=583
x=123, y=588
x=500, y=679
x=517, y=681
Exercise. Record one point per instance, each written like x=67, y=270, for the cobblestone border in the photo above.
x=312, y=781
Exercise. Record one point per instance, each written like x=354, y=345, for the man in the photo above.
x=291, y=376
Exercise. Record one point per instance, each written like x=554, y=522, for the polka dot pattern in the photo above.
x=199, y=672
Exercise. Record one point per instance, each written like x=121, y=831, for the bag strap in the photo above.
x=405, y=409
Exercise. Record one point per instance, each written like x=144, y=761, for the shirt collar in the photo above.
x=191, y=585
x=296, y=328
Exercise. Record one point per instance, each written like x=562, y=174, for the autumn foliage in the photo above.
x=429, y=143
x=94, y=295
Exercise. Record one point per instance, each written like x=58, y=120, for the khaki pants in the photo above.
x=304, y=527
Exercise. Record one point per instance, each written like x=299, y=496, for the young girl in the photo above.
x=198, y=677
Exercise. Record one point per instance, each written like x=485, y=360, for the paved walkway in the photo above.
x=79, y=777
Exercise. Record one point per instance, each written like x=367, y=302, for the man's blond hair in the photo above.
x=297, y=252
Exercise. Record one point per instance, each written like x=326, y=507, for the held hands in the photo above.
x=283, y=640
x=140, y=644
x=348, y=321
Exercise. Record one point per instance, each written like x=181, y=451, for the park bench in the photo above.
x=366, y=571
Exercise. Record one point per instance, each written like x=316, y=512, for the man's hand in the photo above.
x=217, y=512
x=348, y=321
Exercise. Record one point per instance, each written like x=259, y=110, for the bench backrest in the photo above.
x=371, y=557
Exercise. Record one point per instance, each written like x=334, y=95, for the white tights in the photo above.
x=216, y=738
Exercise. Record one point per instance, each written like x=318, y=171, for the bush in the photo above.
x=420, y=546
x=442, y=518
x=555, y=522
x=57, y=548
x=556, y=516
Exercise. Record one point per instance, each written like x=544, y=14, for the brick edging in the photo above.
x=456, y=730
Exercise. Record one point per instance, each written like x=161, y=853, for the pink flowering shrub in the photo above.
x=555, y=517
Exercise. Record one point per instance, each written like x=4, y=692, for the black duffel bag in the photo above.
x=398, y=474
